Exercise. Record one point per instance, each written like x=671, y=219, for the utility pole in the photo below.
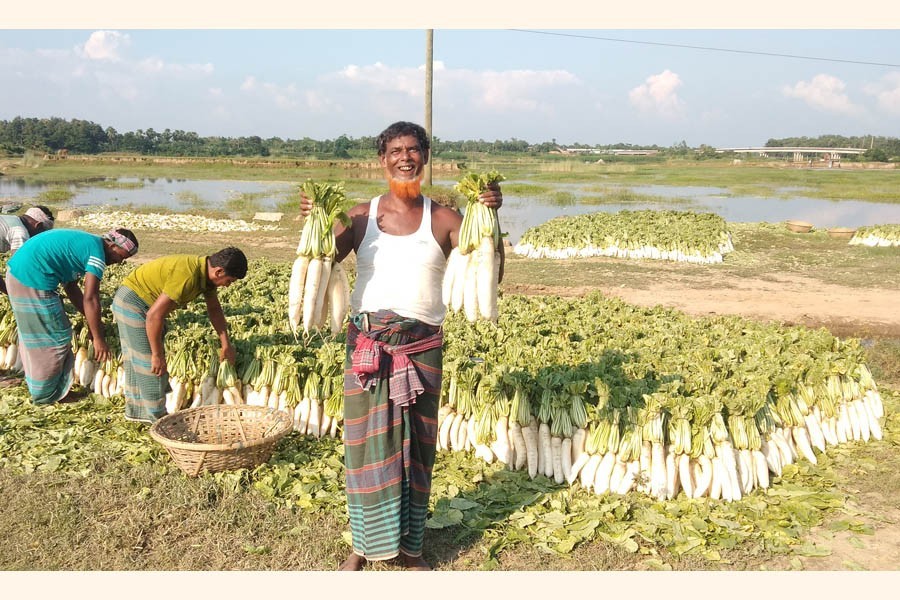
x=429, y=59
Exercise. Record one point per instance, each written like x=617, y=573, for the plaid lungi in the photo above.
x=145, y=393
x=389, y=448
x=45, y=341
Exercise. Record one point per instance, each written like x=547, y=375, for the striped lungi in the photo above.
x=388, y=449
x=45, y=341
x=145, y=393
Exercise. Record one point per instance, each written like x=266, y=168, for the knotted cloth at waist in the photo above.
x=373, y=359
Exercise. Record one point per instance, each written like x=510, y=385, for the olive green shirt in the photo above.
x=181, y=277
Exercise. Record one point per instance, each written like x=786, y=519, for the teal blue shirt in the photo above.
x=57, y=257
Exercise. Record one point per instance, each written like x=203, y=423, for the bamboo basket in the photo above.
x=221, y=437
x=799, y=226
x=841, y=233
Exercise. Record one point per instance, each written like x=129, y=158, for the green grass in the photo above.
x=191, y=200
x=112, y=184
x=56, y=196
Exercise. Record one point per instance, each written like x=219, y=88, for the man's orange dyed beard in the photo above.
x=405, y=190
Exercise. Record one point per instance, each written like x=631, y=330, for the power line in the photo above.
x=708, y=48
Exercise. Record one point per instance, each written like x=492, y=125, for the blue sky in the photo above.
x=488, y=83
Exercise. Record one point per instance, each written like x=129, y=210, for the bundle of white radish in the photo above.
x=330, y=359
x=473, y=268
x=454, y=431
x=229, y=383
x=9, y=335
x=84, y=368
x=698, y=446
x=319, y=291
x=108, y=379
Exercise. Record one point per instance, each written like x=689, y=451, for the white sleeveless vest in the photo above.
x=402, y=273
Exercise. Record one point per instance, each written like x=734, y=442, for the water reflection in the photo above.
x=519, y=212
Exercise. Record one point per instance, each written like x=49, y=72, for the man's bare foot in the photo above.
x=74, y=395
x=10, y=381
x=415, y=563
x=354, y=562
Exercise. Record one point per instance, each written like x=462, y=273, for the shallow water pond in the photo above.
x=520, y=211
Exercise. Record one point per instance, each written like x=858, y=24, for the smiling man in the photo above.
x=401, y=240
x=141, y=305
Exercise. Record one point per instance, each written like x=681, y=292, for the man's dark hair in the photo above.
x=130, y=235
x=401, y=128
x=232, y=260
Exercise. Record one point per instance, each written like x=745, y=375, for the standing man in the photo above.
x=392, y=377
x=15, y=230
x=36, y=270
x=141, y=305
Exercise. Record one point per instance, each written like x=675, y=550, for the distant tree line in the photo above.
x=78, y=136
x=878, y=148
x=85, y=137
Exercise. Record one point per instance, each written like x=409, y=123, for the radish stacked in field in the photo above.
x=619, y=398
x=319, y=288
x=9, y=339
x=473, y=269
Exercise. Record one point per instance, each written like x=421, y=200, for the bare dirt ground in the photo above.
x=789, y=299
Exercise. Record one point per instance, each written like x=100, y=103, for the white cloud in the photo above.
x=216, y=92
x=659, y=95
x=490, y=91
x=283, y=96
x=151, y=65
x=887, y=93
x=105, y=45
x=157, y=65
x=823, y=92
x=379, y=77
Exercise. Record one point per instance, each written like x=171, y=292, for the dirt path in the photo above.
x=789, y=299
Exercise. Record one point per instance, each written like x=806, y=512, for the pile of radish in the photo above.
x=882, y=236
x=553, y=397
x=589, y=391
x=682, y=236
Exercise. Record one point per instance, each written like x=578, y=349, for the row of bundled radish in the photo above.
x=881, y=236
x=655, y=451
x=620, y=398
x=681, y=236
x=306, y=381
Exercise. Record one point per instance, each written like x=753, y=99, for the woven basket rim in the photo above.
x=282, y=426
